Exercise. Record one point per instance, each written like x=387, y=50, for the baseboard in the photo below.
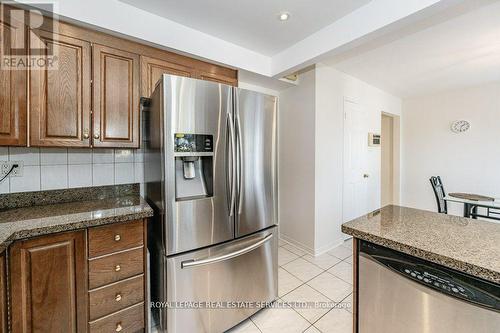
x=328, y=247
x=311, y=251
x=297, y=244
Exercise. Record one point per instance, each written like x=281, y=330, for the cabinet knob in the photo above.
x=118, y=327
x=117, y=238
x=96, y=136
x=118, y=268
x=118, y=297
x=86, y=134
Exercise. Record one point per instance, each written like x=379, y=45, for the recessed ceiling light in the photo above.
x=284, y=16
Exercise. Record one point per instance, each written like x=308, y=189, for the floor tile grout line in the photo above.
x=323, y=270
x=310, y=262
x=301, y=279
x=306, y=283
x=330, y=310
x=255, y=322
x=324, y=294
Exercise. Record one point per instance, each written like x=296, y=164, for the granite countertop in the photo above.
x=23, y=222
x=467, y=245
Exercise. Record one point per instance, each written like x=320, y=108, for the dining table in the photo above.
x=472, y=202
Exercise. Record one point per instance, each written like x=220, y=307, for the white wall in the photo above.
x=332, y=87
x=311, y=149
x=467, y=162
x=296, y=162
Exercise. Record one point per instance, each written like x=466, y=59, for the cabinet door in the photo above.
x=3, y=294
x=60, y=96
x=49, y=284
x=13, y=88
x=116, y=98
x=152, y=69
x=232, y=81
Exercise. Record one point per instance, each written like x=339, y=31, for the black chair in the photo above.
x=437, y=186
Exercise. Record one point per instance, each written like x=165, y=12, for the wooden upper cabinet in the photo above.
x=13, y=86
x=232, y=81
x=211, y=72
x=152, y=69
x=49, y=284
x=60, y=98
x=116, y=98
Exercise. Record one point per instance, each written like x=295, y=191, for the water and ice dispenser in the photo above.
x=193, y=155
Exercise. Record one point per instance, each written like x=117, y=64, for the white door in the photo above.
x=355, y=196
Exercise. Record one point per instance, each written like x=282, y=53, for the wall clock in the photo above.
x=460, y=126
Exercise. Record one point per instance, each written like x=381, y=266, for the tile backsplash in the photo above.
x=60, y=168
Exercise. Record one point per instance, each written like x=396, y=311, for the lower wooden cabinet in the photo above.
x=49, y=284
x=49, y=281
x=3, y=294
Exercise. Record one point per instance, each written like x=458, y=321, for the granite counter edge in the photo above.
x=64, y=227
x=456, y=264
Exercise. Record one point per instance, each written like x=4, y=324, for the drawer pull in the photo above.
x=118, y=268
x=117, y=238
x=119, y=327
x=118, y=297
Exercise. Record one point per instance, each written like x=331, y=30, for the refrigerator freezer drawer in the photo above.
x=242, y=271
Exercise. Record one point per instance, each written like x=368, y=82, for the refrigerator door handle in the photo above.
x=231, y=178
x=240, y=164
x=211, y=260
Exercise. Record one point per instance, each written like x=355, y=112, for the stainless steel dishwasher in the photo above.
x=401, y=293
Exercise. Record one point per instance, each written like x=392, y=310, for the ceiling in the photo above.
x=252, y=24
x=462, y=51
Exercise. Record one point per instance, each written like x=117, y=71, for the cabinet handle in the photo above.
x=118, y=268
x=119, y=327
x=117, y=238
x=96, y=136
x=118, y=297
x=86, y=134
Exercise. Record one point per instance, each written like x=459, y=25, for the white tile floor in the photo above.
x=304, y=278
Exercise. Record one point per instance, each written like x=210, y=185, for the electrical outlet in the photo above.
x=6, y=166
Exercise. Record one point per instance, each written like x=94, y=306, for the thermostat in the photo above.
x=373, y=140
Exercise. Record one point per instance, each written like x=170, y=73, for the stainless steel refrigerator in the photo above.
x=210, y=175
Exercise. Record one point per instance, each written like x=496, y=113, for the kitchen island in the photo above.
x=420, y=270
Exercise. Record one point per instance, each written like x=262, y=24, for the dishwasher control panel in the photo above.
x=423, y=276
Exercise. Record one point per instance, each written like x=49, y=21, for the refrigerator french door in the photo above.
x=210, y=176
x=255, y=123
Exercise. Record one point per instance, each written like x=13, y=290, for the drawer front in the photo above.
x=115, y=297
x=126, y=321
x=115, y=267
x=116, y=237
